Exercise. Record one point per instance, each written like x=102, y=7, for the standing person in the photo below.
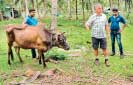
x=115, y=19
x=99, y=26
x=31, y=21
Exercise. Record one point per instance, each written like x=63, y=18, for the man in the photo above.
x=98, y=24
x=115, y=19
x=31, y=21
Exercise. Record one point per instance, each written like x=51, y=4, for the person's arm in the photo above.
x=88, y=23
x=124, y=24
x=87, y=26
x=123, y=27
x=107, y=27
x=24, y=23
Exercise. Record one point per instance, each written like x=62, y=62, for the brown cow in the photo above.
x=33, y=37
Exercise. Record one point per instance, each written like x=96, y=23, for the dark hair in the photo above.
x=115, y=9
x=31, y=10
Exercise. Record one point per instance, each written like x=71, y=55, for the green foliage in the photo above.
x=56, y=54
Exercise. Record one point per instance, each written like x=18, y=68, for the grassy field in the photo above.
x=81, y=66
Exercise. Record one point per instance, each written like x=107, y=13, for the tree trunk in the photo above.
x=44, y=5
x=83, y=3
x=125, y=4
x=92, y=7
x=98, y=1
x=76, y=6
x=26, y=7
x=118, y=4
x=110, y=2
x=37, y=9
x=54, y=15
x=129, y=4
x=69, y=9
x=1, y=16
x=33, y=4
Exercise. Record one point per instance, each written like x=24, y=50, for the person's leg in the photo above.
x=96, y=56
x=103, y=45
x=118, y=38
x=33, y=53
x=113, y=43
x=95, y=45
x=96, y=52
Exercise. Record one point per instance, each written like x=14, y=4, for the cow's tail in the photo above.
x=10, y=39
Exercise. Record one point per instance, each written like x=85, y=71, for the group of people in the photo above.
x=101, y=27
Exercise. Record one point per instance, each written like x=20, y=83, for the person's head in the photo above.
x=32, y=12
x=98, y=8
x=115, y=11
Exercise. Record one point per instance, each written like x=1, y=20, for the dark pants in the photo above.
x=117, y=35
x=33, y=53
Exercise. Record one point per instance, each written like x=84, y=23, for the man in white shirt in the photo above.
x=99, y=26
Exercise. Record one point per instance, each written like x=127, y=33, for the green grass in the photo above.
x=77, y=37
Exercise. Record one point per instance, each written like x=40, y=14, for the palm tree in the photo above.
x=44, y=7
x=110, y=2
x=33, y=4
x=37, y=8
x=54, y=15
x=76, y=6
x=69, y=9
x=1, y=9
x=83, y=11
x=26, y=7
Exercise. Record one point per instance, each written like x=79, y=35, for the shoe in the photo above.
x=121, y=56
x=96, y=62
x=107, y=63
x=112, y=54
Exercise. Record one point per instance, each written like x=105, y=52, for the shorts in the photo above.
x=99, y=41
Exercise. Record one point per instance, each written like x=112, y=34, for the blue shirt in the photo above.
x=31, y=21
x=115, y=22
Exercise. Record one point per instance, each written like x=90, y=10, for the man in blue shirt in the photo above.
x=31, y=21
x=115, y=19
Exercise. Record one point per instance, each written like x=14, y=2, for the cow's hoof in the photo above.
x=40, y=62
x=9, y=63
x=44, y=65
x=22, y=62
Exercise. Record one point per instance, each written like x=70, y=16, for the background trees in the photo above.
x=71, y=9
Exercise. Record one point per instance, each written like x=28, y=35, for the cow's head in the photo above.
x=60, y=41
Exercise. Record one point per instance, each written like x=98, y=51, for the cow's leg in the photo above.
x=43, y=59
x=17, y=49
x=10, y=53
x=12, y=58
x=39, y=56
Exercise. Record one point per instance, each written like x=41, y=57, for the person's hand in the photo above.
x=87, y=27
x=120, y=30
x=24, y=26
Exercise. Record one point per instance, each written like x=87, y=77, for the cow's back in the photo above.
x=27, y=38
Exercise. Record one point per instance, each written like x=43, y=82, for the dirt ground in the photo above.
x=58, y=76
